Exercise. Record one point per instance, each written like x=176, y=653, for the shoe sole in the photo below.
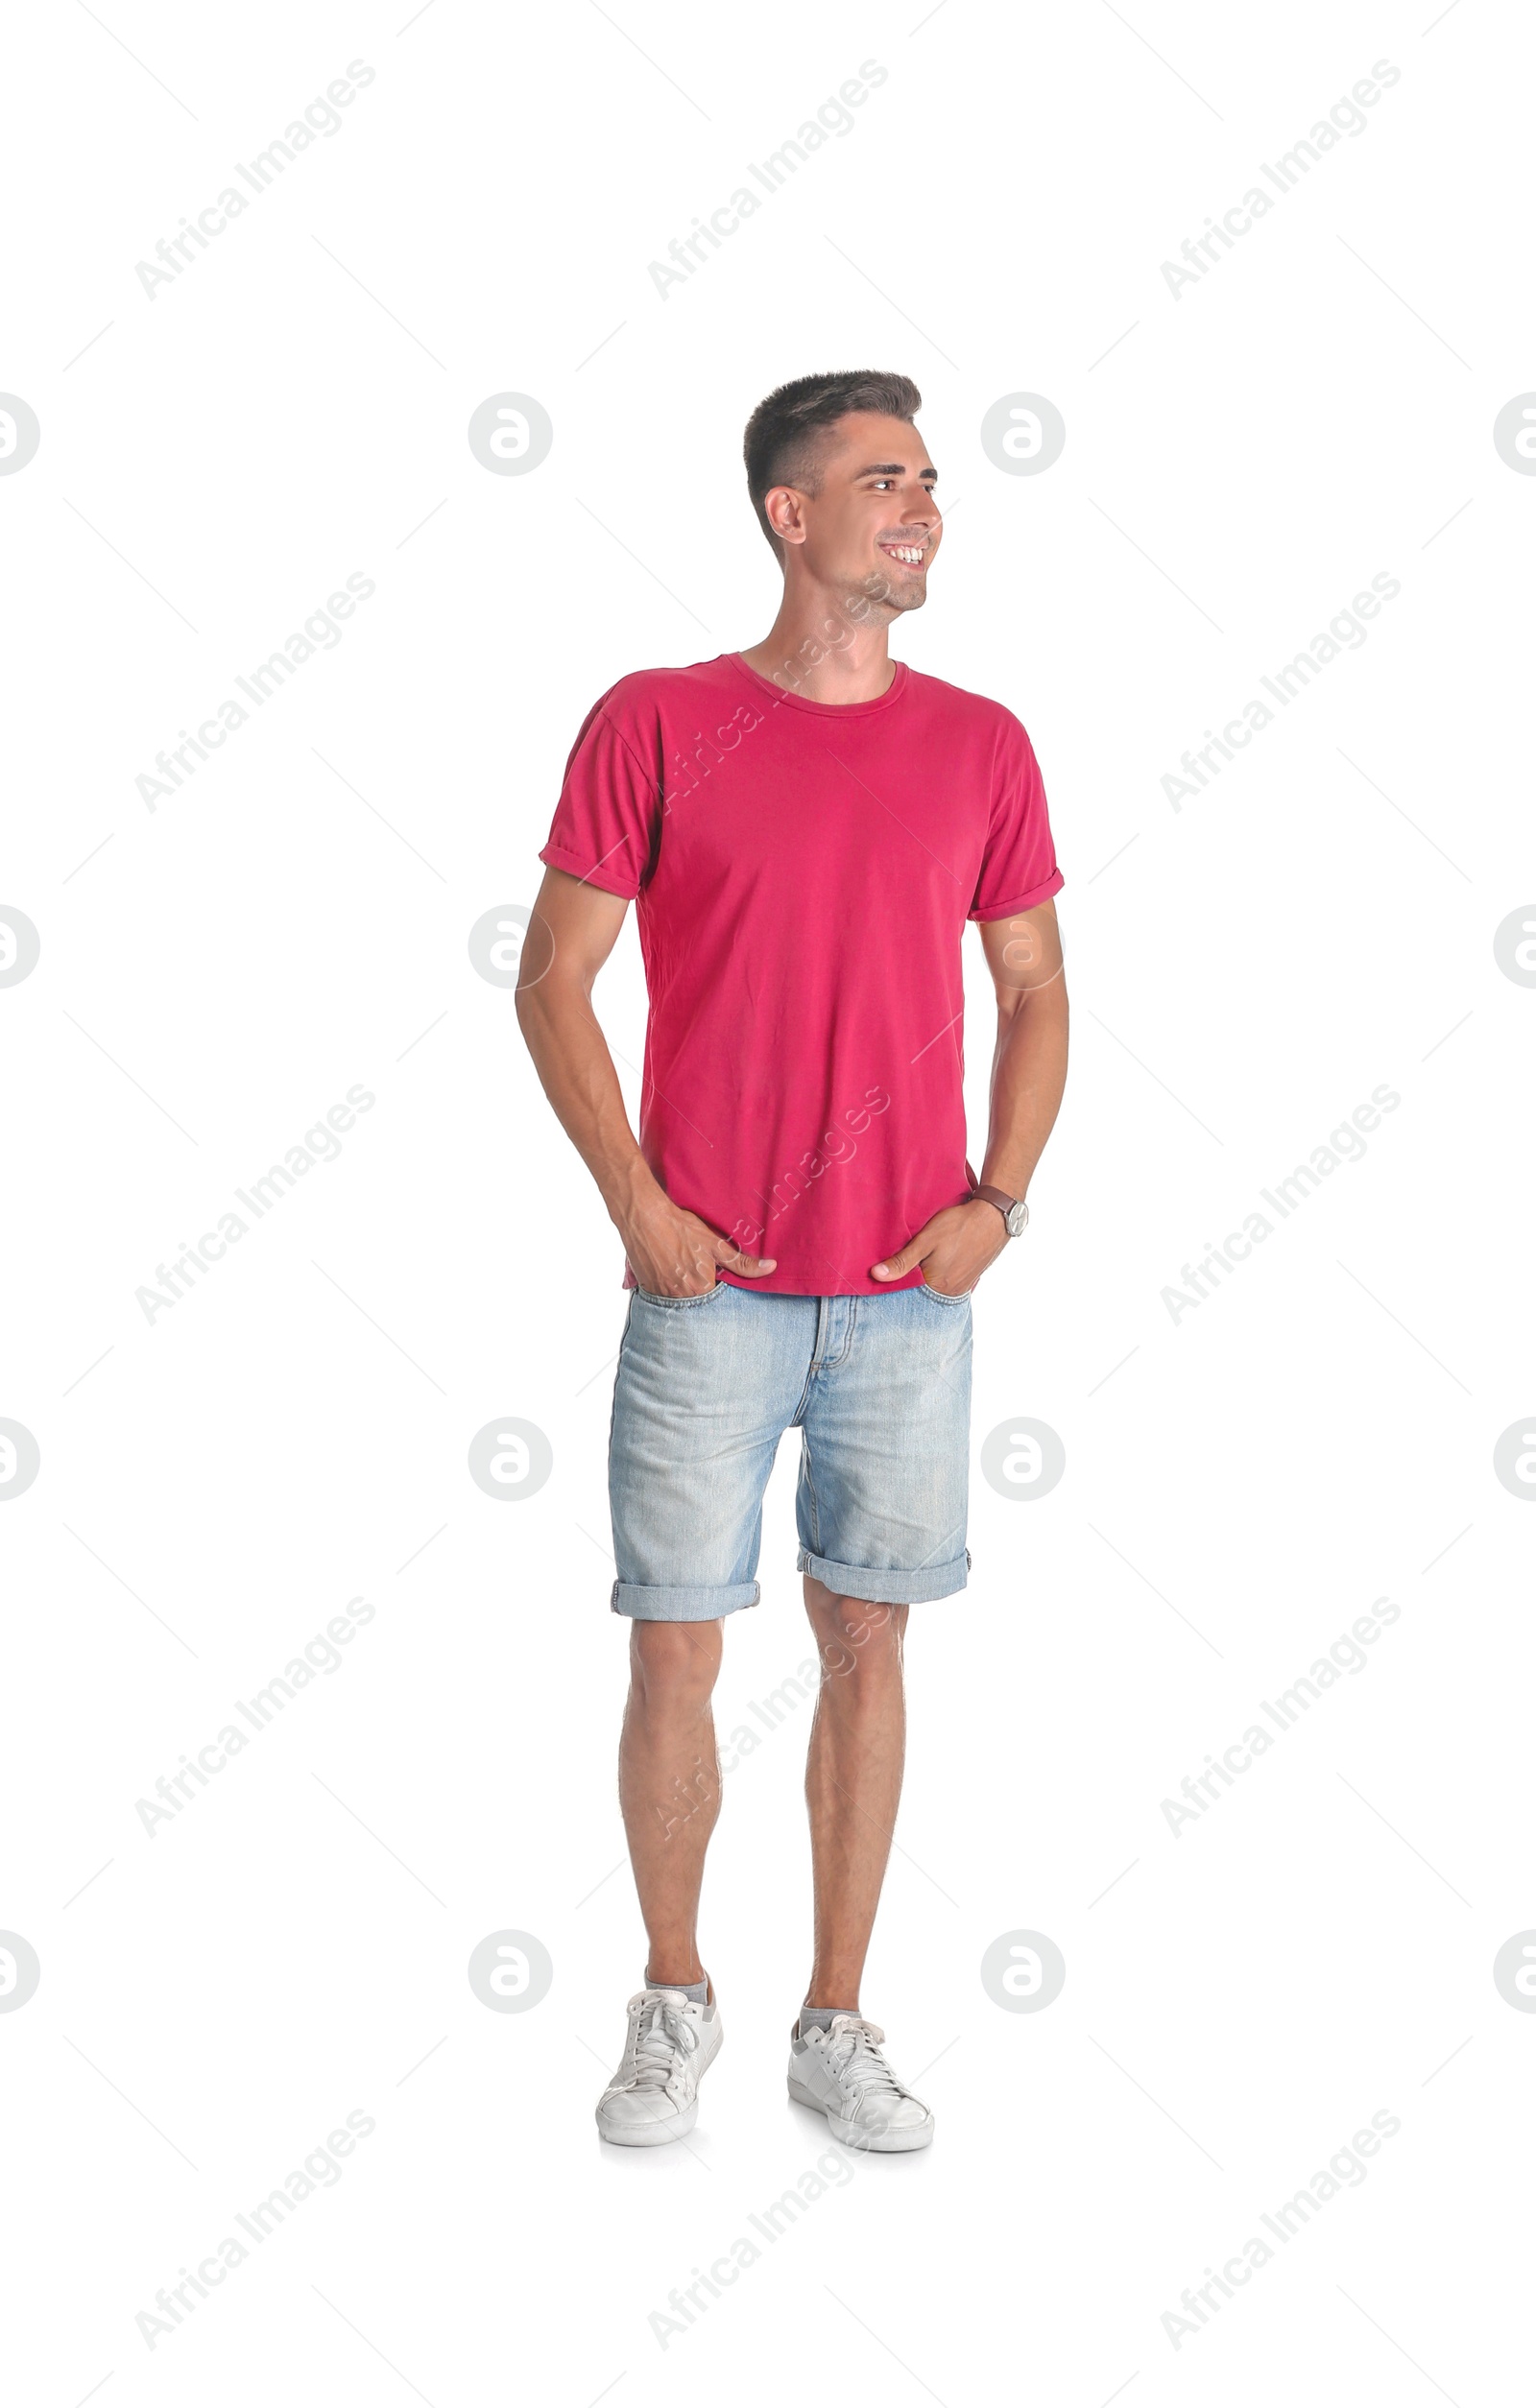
x=665, y=2127
x=858, y=2136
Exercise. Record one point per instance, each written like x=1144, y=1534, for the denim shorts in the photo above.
x=879, y=1389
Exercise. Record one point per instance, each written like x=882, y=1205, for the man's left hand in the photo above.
x=954, y=1248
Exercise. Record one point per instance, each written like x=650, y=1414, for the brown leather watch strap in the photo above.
x=996, y=1196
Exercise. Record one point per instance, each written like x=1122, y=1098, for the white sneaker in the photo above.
x=840, y=2072
x=654, y=2094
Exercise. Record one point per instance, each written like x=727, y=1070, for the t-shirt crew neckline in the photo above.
x=824, y=710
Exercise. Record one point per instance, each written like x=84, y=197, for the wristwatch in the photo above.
x=1014, y=1209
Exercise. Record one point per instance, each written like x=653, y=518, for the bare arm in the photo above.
x=572, y=932
x=1029, y=1065
x=1028, y=1074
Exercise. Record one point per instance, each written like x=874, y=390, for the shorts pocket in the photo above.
x=682, y=1304
x=939, y=1297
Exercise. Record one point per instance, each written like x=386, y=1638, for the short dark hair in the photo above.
x=781, y=441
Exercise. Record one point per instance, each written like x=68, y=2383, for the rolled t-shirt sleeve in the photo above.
x=608, y=817
x=1018, y=860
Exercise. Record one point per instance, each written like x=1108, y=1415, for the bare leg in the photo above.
x=669, y=1785
x=853, y=1780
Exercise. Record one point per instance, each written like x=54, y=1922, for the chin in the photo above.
x=881, y=588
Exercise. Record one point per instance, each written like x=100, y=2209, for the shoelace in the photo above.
x=853, y=2049
x=664, y=2031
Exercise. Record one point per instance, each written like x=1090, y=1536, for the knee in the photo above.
x=858, y=1642
x=674, y=1663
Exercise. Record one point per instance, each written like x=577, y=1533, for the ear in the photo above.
x=782, y=506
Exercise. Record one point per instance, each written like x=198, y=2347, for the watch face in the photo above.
x=1016, y=1219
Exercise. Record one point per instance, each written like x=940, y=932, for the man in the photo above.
x=804, y=828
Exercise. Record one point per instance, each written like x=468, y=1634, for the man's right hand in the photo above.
x=572, y=931
x=673, y=1252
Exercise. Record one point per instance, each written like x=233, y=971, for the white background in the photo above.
x=1240, y=1483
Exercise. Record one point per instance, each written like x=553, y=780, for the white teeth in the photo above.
x=904, y=550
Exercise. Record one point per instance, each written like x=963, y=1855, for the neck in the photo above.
x=830, y=646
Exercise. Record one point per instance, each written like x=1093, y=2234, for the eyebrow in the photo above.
x=890, y=469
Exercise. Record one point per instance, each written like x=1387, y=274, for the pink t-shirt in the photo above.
x=802, y=873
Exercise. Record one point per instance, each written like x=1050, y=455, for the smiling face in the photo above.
x=870, y=525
